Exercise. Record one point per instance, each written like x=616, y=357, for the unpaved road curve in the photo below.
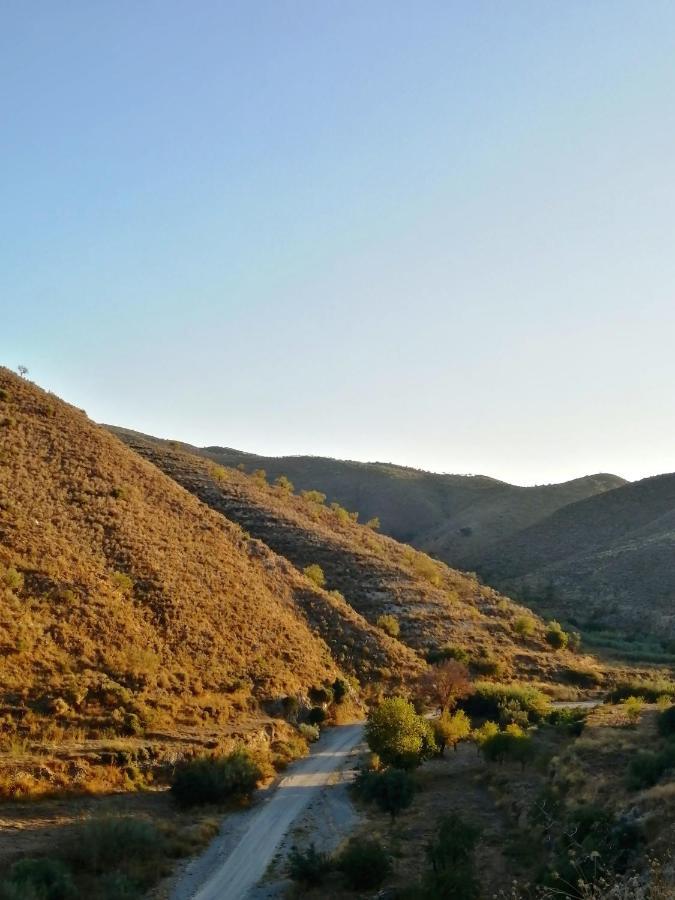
x=244, y=866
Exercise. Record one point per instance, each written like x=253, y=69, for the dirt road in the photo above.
x=231, y=869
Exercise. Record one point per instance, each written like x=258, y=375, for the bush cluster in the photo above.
x=487, y=697
x=392, y=790
x=212, y=779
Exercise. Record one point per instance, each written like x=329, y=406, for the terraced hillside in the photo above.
x=457, y=518
x=434, y=605
x=127, y=605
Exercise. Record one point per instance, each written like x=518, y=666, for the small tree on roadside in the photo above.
x=398, y=735
x=449, y=729
x=443, y=685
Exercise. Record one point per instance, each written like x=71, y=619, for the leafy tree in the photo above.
x=443, y=685
x=315, y=574
x=449, y=729
x=389, y=624
x=483, y=734
x=398, y=735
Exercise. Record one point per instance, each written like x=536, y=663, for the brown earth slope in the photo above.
x=122, y=595
x=434, y=605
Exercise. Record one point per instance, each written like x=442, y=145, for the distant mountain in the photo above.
x=607, y=560
x=453, y=517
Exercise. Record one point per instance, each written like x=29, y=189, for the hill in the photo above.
x=454, y=517
x=605, y=561
x=127, y=605
x=433, y=605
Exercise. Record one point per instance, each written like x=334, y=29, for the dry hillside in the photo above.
x=434, y=605
x=127, y=604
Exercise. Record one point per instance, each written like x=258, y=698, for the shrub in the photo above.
x=512, y=743
x=310, y=733
x=524, y=626
x=291, y=707
x=315, y=574
x=632, y=706
x=322, y=694
x=512, y=713
x=440, y=654
x=570, y=720
x=581, y=676
x=99, y=845
x=119, y=492
x=487, y=697
x=364, y=864
x=451, y=857
x=555, y=636
x=648, y=767
x=389, y=624
x=398, y=735
x=316, y=715
x=392, y=790
x=449, y=730
x=488, y=665
x=313, y=496
x=373, y=523
x=260, y=475
x=341, y=513
x=216, y=779
x=42, y=879
x=666, y=721
x=12, y=579
x=308, y=867
x=285, y=484
x=483, y=734
x=649, y=691
x=340, y=689
x=123, y=581
x=445, y=684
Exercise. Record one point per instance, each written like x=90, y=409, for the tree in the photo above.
x=23, y=371
x=451, y=857
x=449, y=730
x=443, y=685
x=555, y=636
x=389, y=624
x=315, y=574
x=392, y=790
x=398, y=735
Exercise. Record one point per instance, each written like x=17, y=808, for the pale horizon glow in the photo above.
x=439, y=236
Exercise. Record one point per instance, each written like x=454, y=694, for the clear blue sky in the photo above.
x=437, y=233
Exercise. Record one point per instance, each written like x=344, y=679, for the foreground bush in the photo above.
x=100, y=845
x=452, y=864
x=364, y=864
x=38, y=879
x=216, y=779
x=648, y=767
x=308, y=867
x=398, y=735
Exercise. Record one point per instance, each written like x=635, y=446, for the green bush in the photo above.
x=364, y=864
x=666, y=721
x=488, y=665
x=309, y=867
x=512, y=744
x=310, y=733
x=389, y=624
x=524, y=626
x=340, y=690
x=285, y=484
x=649, y=691
x=313, y=496
x=398, y=735
x=450, y=729
x=648, y=767
x=39, y=879
x=315, y=574
x=12, y=579
x=440, y=654
x=568, y=719
x=216, y=779
x=322, y=694
x=488, y=696
x=392, y=790
x=555, y=636
x=100, y=845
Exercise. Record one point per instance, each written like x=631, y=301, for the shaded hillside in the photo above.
x=433, y=604
x=453, y=517
x=125, y=602
x=607, y=560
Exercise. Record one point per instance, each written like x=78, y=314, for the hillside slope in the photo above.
x=434, y=605
x=607, y=560
x=122, y=595
x=454, y=517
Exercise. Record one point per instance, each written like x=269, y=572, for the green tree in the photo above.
x=449, y=729
x=555, y=636
x=452, y=861
x=398, y=735
x=392, y=790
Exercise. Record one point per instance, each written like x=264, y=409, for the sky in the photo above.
x=440, y=234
